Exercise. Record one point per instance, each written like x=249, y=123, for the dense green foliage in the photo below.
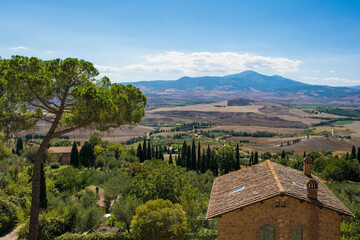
x=159, y=220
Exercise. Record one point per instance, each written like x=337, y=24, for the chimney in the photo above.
x=312, y=189
x=307, y=166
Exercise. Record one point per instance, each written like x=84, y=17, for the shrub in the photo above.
x=55, y=165
x=159, y=220
x=7, y=215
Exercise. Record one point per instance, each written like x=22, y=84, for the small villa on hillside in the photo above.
x=269, y=201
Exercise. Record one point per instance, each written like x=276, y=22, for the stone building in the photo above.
x=269, y=201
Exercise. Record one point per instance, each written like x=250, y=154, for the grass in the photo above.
x=345, y=122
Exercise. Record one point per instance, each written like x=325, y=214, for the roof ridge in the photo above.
x=276, y=178
x=240, y=170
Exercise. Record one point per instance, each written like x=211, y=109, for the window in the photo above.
x=283, y=203
x=267, y=232
x=277, y=203
x=297, y=235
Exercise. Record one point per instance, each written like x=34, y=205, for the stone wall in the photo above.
x=316, y=223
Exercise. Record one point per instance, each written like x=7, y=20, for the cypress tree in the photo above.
x=353, y=152
x=199, y=158
x=19, y=146
x=256, y=158
x=157, y=152
x=170, y=159
x=193, y=156
x=208, y=159
x=139, y=153
x=161, y=155
x=214, y=163
x=87, y=157
x=283, y=155
x=153, y=152
x=144, y=149
x=43, y=200
x=183, y=154
x=177, y=160
x=203, y=161
x=304, y=156
x=74, y=156
x=148, y=151
x=237, y=162
x=188, y=157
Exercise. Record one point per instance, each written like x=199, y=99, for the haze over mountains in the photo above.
x=248, y=84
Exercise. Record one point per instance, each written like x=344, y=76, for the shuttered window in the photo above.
x=267, y=232
x=297, y=235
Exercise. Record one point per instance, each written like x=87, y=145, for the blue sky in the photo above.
x=309, y=41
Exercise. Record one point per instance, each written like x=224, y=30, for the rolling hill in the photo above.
x=248, y=84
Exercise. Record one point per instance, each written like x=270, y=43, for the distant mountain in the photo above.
x=248, y=84
x=356, y=87
x=247, y=81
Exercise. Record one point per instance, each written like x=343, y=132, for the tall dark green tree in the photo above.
x=283, y=154
x=188, y=157
x=208, y=159
x=74, y=156
x=193, y=156
x=161, y=155
x=87, y=157
x=304, y=156
x=144, y=149
x=19, y=146
x=148, y=150
x=199, y=158
x=353, y=153
x=214, y=163
x=43, y=199
x=139, y=153
x=170, y=159
x=256, y=158
x=184, y=149
x=157, y=153
x=153, y=152
x=177, y=160
x=203, y=162
x=237, y=162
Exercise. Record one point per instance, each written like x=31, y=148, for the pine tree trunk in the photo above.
x=35, y=203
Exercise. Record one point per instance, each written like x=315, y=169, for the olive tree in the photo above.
x=66, y=95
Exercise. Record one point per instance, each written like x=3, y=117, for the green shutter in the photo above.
x=267, y=232
x=297, y=235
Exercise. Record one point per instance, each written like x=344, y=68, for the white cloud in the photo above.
x=332, y=71
x=212, y=62
x=20, y=48
x=310, y=78
x=317, y=71
x=111, y=72
x=341, y=80
x=49, y=52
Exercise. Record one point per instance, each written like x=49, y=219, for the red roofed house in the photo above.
x=269, y=201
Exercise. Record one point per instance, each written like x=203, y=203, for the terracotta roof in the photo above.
x=262, y=181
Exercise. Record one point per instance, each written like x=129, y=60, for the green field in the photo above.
x=345, y=121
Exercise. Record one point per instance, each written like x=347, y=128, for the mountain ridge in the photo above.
x=249, y=84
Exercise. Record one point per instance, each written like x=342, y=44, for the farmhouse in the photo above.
x=269, y=201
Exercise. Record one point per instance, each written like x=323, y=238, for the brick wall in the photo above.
x=245, y=224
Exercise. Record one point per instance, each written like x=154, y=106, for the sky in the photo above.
x=314, y=42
